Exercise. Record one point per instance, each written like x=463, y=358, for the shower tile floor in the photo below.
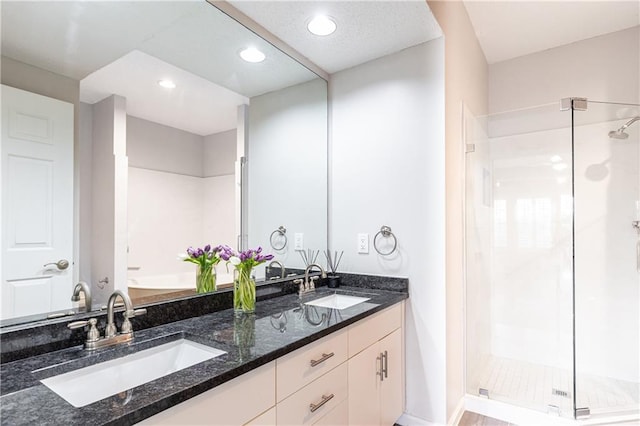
x=533, y=386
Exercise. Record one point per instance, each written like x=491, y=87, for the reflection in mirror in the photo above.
x=229, y=154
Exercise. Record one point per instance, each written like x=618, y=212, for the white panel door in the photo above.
x=37, y=203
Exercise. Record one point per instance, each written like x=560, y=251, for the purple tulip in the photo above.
x=207, y=248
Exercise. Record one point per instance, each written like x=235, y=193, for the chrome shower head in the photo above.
x=620, y=134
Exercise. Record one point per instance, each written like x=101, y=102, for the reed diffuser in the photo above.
x=333, y=261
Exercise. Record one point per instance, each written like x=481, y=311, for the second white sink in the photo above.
x=337, y=301
x=90, y=384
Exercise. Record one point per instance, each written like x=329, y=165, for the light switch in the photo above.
x=298, y=241
x=363, y=243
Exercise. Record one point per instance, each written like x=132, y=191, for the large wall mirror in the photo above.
x=109, y=171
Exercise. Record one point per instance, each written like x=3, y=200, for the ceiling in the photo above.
x=190, y=41
x=190, y=106
x=366, y=29
x=509, y=29
x=88, y=40
x=373, y=28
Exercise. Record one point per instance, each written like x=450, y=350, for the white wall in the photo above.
x=387, y=156
x=109, y=197
x=287, y=161
x=465, y=84
x=604, y=68
x=165, y=217
x=85, y=187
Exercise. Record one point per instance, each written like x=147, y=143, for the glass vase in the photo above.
x=244, y=291
x=205, y=279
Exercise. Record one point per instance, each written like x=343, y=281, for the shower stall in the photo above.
x=552, y=235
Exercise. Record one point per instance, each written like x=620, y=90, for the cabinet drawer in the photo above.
x=267, y=418
x=332, y=388
x=374, y=328
x=232, y=403
x=306, y=364
x=339, y=416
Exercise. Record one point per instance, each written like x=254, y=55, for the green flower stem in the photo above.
x=244, y=291
x=205, y=279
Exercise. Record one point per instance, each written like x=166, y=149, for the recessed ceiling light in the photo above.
x=322, y=25
x=251, y=54
x=167, y=84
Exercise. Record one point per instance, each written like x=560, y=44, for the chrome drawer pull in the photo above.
x=325, y=399
x=322, y=359
x=385, y=357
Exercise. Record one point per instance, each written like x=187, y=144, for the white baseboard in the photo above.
x=457, y=413
x=409, y=420
x=527, y=417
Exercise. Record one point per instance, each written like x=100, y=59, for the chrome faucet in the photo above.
x=282, y=269
x=110, y=331
x=308, y=285
x=82, y=287
x=111, y=336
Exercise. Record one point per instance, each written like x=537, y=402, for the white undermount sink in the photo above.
x=337, y=301
x=90, y=384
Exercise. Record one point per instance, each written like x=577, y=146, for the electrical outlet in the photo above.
x=298, y=241
x=363, y=243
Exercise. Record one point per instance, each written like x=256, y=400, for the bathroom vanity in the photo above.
x=294, y=361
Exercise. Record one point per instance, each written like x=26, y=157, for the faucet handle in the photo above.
x=93, y=334
x=140, y=311
x=126, y=324
x=312, y=282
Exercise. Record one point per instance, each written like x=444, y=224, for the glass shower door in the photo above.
x=519, y=280
x=607, y=258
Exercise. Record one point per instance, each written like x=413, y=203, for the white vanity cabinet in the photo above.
x=366, y=359
x=242, y=400
x=353, y=376
x=312, y=380
x=376, y=376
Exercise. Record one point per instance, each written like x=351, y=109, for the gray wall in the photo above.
x=220, y=153
x=156, y=147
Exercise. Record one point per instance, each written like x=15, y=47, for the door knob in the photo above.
x=61, y=264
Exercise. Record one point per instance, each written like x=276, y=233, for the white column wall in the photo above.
x=387, y=157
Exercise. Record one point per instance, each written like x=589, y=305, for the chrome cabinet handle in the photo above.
x=325, y=399
x=385, y=358
x=381, y=371
x=61, y=264
x=322, y=359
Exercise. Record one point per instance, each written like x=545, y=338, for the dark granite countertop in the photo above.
x=279, y=326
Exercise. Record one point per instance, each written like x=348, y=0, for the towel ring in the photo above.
x=385, y=231
x=281, y=231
